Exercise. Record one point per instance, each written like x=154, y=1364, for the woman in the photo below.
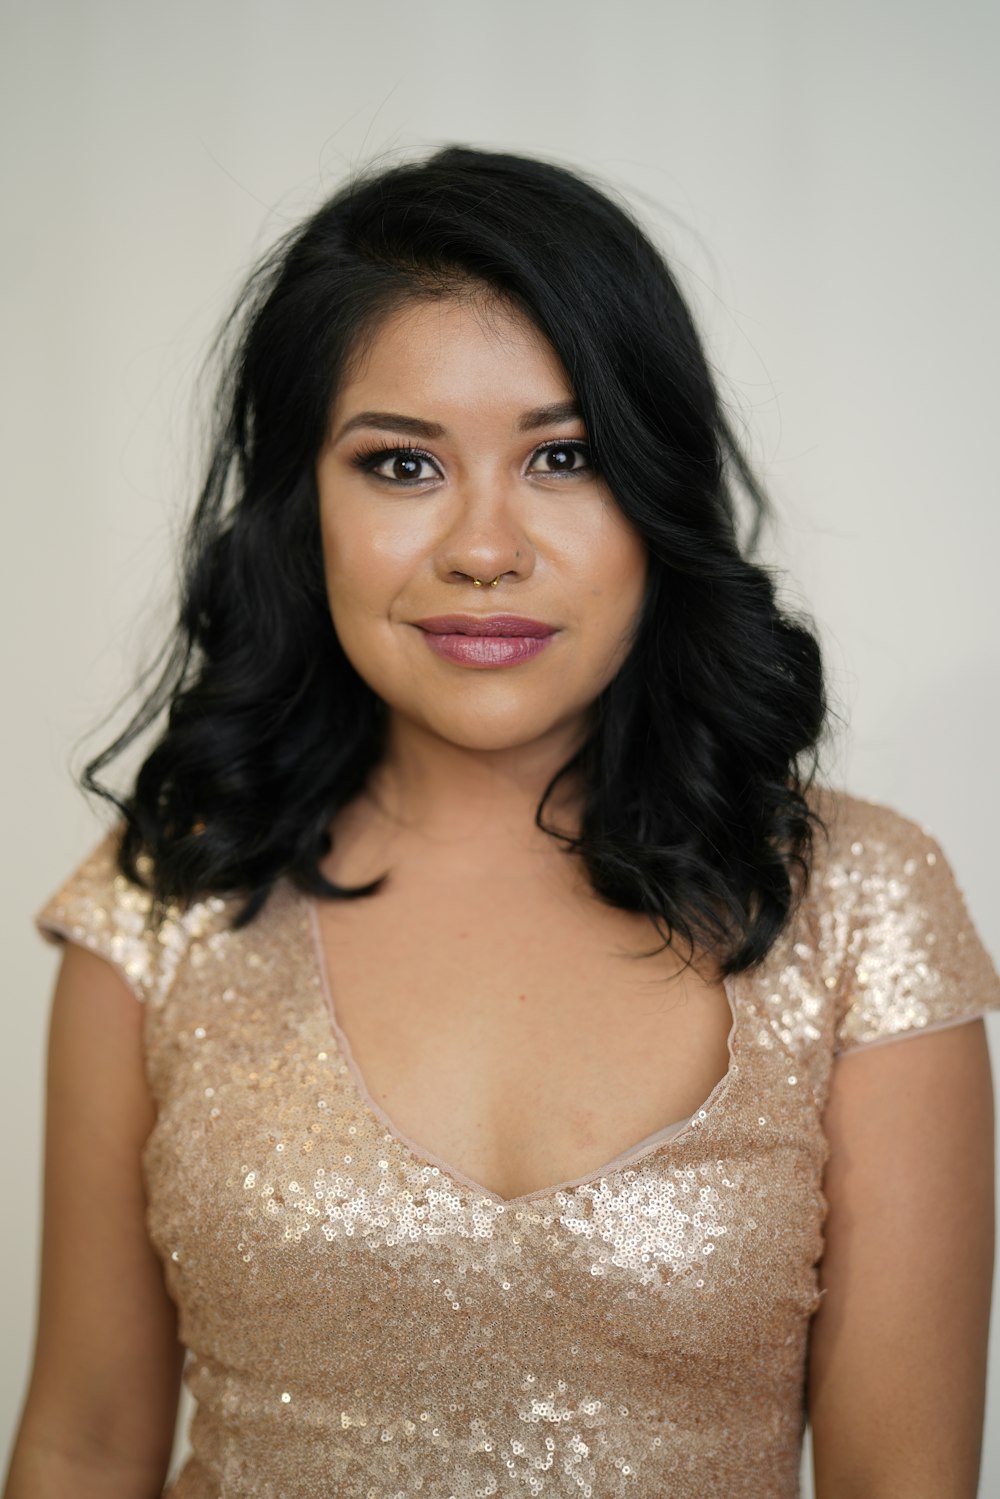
x=482, y=840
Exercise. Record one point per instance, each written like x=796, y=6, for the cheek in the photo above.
x=623, y=589
x=368, y=565
x=620, y=570
x=366, y=562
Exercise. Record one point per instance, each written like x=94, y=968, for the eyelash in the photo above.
x=369, y=456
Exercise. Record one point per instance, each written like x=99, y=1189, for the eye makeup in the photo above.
x=369, y=457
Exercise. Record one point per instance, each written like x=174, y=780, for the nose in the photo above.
x=485, y=544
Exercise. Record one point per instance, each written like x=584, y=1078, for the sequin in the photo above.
x=361, y=1321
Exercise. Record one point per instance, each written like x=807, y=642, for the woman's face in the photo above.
x=454, y=453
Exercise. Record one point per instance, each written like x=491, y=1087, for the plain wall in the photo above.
x=824, y=178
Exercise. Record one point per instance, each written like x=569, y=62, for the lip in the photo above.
x=485, y=641
x=511, y=625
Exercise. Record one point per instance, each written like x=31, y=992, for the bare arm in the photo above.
x=99, y=1415
x=898, y=1351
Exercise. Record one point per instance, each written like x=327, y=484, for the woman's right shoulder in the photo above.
x=117, y=1376
x=98, y=908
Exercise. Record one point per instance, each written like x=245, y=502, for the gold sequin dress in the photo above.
x=364, y=1322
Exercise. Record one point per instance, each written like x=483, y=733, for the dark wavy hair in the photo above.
x=700, y=752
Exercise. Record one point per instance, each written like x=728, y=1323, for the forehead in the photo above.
x=459, y=352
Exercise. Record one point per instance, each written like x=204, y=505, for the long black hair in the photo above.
x=702, y=749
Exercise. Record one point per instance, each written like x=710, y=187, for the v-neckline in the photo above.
x=621, y=1162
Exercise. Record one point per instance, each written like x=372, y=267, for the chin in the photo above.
x=491, y=732
x=489, y=737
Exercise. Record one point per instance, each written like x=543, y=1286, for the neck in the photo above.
x=453, y=794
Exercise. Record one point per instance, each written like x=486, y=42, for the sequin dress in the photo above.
x=363, y=1321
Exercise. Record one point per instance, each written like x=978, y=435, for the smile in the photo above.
x=487, y=641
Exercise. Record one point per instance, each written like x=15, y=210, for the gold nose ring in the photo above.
x=477, y=582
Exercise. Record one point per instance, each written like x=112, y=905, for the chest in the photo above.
x=292, y=1221
x=523, y=1037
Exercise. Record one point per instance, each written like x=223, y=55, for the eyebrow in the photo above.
x=415, y=426
x=544, y=416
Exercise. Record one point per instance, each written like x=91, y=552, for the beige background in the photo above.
x=825, y=179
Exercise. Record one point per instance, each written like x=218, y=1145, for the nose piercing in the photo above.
x=477, y=582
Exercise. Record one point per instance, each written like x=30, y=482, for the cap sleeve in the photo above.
x=98, y=908
x=914, y=960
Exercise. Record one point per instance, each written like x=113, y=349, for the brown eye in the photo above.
x=400, y=466
x=404, y=467
x=561, y=458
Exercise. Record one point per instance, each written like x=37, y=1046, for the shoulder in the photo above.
x=891, y=909
x=856, y=825
x=98, y=908
x=869, y=854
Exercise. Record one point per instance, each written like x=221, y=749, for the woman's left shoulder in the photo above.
x=887, y=897
x=855, y=825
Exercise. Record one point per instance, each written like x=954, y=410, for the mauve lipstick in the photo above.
x=486, y=640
